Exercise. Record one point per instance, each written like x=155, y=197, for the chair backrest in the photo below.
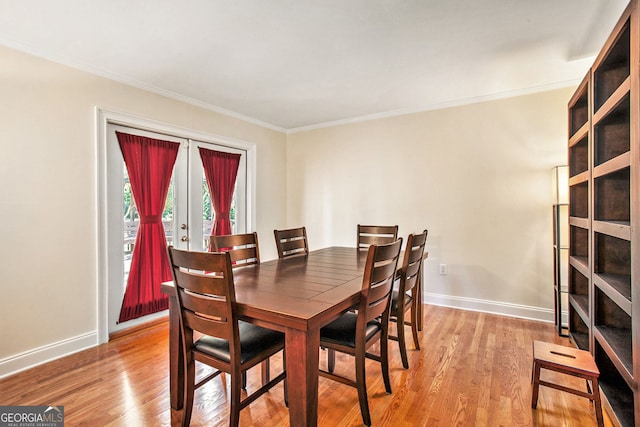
x=377, y=283
x=206, y=295
x=412, y=264
x=291, y=242
x=243, y=248
x=376, y=235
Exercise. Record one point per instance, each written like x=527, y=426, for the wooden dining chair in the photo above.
x=243, y=248
x=375, y=235
x=354, y=333
x=207, y=305
x=405, y=298
x=291, y=242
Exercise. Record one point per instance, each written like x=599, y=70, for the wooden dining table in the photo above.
x=297, y=296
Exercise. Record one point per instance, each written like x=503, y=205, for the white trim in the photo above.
x=439, y=106
x=103, y=118
x=492, y=307
x=37, y=356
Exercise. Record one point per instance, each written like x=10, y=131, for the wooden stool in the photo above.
x=570, y=361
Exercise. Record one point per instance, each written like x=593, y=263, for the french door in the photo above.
x=187, y=217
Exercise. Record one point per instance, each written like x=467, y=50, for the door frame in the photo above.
x=104, y=117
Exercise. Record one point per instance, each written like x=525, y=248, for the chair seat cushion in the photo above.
x=253, y=340
x=343, y=330
x=394, y=301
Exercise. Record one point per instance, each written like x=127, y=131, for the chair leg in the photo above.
x=244, y=380
x=384, y=361
x=189, y=389
x=234, y=413
x=266, y=372
x=331, y=359
x=597, y=402
x=401, y=339
x=414, y=325
x=361, y=385
x=536, y=384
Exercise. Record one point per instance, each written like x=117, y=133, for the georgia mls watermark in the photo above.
x=31, y=416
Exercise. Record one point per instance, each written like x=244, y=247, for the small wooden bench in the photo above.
x=570, y=361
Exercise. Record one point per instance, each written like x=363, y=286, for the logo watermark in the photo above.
x=31, y=416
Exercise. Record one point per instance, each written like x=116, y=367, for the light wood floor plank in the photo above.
x=474, y=369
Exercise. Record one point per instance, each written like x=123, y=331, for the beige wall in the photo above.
x=48, y=201
x=477, y=176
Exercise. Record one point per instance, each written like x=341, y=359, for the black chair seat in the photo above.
x=253, y=340
x=343, y=330
x=394, y=301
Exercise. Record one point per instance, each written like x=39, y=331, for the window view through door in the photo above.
x=187, y=218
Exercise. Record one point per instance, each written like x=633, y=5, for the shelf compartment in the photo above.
x=581, y=264
x=612, y=256
x=614, y=325
x=579, y=200
x=579, y=107
x=579, y=289
x=614, y=387
x=614, y=69
x=578, y=242
x=579, y=157
x=612, y=133
x=612, y=197
x=578, y=330
x=617, y=287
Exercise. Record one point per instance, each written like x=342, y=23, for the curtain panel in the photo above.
x=150, y=164
x=221, y=170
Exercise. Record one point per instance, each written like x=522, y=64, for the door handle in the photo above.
x=184, y=239
x=183, y=226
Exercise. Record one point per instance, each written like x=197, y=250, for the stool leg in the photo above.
x=597, y=403
x=588, y=387
x=536, y=384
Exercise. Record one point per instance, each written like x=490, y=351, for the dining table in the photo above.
x=295, y=295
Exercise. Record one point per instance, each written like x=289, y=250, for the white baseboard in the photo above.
x=493, y=307
x=37, y=356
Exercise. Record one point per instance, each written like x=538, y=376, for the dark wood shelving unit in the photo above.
x=604, y=210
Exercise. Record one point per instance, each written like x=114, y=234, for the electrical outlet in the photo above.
x=444, y=269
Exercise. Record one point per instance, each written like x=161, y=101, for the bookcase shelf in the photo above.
x=612, y=133
x=618, y=393
x=614, y=68
x=604, y=222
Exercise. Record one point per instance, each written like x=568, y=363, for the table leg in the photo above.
x=176, y=358
x=302, y=349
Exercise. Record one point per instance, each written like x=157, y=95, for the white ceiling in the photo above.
x=300, y=63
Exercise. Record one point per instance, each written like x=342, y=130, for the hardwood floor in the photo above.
x=474, y=369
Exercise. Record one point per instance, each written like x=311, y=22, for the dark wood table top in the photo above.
x=295, y=292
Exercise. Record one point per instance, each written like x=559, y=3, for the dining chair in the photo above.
x=243, y=248
x=207, y=306
x=376, y=235
x=291, y=242
x=354, y=333
x=405, y=298
x=244, y=251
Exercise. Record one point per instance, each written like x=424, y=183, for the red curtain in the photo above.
x=221, y=170
x=150, y=164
